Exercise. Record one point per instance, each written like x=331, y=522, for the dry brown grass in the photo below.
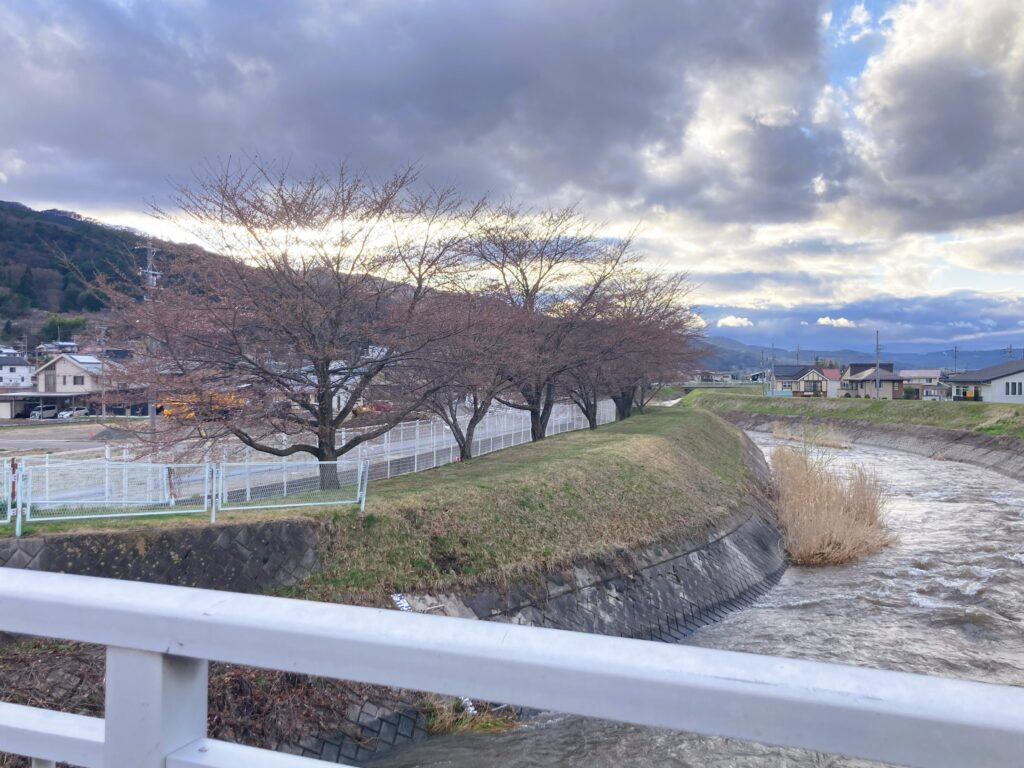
x=827, y=517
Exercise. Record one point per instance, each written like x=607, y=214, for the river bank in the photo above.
x=650, y=528
x=984, y=419
x=1004, y=455
x=943, y=600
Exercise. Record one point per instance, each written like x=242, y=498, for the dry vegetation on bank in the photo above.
x=520, y=512
x=827, y=517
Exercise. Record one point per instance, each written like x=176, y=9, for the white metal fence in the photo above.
x=104, y=482
x=417, y=445
x=155, y=713
x=85, y=490
x=278, y=484
x=7, y=483
x=113, y=489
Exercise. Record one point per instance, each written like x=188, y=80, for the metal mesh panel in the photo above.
x=272, y=485
x=79, y=490
x=7, y=476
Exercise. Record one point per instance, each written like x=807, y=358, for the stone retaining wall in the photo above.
x=235, y=557
x=1004, y=455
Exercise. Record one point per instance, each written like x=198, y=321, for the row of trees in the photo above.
x=332, y=289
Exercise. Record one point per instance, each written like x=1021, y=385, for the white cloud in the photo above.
x=836, y=322
x=733, y=321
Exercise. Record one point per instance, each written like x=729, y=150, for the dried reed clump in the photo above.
x=827, y=517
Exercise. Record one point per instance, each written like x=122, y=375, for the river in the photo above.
x=946, y=599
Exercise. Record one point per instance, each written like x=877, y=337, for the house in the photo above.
x=69, y=374
x=926, y=383
x=15, y=372
x=51, y=349
x=1003, y=383
x=834, y=378
x=867, y=380
x=797, y=381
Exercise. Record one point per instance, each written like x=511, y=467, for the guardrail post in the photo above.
x=155, y=704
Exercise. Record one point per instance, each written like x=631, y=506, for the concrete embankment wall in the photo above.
x=1004, y=455
x=662, y=592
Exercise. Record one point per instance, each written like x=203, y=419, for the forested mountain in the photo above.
x=32, y=275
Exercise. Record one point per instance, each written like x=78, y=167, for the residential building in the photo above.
x=833, y=378
x=797, y=381
x=1003, y=383
x=15, y=372
x=51, y=349
x=865, y=380
x=70, y=375
x=926, y=383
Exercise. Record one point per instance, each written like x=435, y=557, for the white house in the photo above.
x=15, y=372
x=1003, y=383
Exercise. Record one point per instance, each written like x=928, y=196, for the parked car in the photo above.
x=71, y=413
x=43, y=412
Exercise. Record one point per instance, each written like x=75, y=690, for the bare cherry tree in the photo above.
x=314, y=294
x=549, y=267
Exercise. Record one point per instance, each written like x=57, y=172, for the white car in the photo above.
x=71, y=413
x=43, y=412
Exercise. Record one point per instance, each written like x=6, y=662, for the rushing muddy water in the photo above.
x=947, y=599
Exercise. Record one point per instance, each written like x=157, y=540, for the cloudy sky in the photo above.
x=824, y=169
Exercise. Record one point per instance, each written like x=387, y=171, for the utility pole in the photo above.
x=798, y=354
x=878, y=373
x=150, y=275
x=955, y=369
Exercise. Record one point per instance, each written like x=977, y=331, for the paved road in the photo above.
x=49, y=437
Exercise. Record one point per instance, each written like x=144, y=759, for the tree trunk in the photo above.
x=591, y=413
x=466, y=443
x=623, y=404
x=329, y=480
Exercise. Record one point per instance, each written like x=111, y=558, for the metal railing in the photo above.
x=156, y=701
x=103, y=482
x=84, y=490
x=279, y=484
x=113, y=489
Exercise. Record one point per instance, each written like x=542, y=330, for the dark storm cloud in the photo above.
x=103, y=101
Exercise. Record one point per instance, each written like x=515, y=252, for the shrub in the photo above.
x=827, y=517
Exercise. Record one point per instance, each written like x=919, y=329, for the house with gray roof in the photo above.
x=1002, y=383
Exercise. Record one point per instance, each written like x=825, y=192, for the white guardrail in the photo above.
x=160, y=639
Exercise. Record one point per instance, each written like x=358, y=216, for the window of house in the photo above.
x=1007, y=387
x=11, y=369
x=79, y=381
x=64, y=379
x=787, y=385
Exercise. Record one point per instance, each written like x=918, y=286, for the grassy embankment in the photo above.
x=986, y=418
x=513, y=513
x=521, y=511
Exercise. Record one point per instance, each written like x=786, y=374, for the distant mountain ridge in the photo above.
x=730, y=355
